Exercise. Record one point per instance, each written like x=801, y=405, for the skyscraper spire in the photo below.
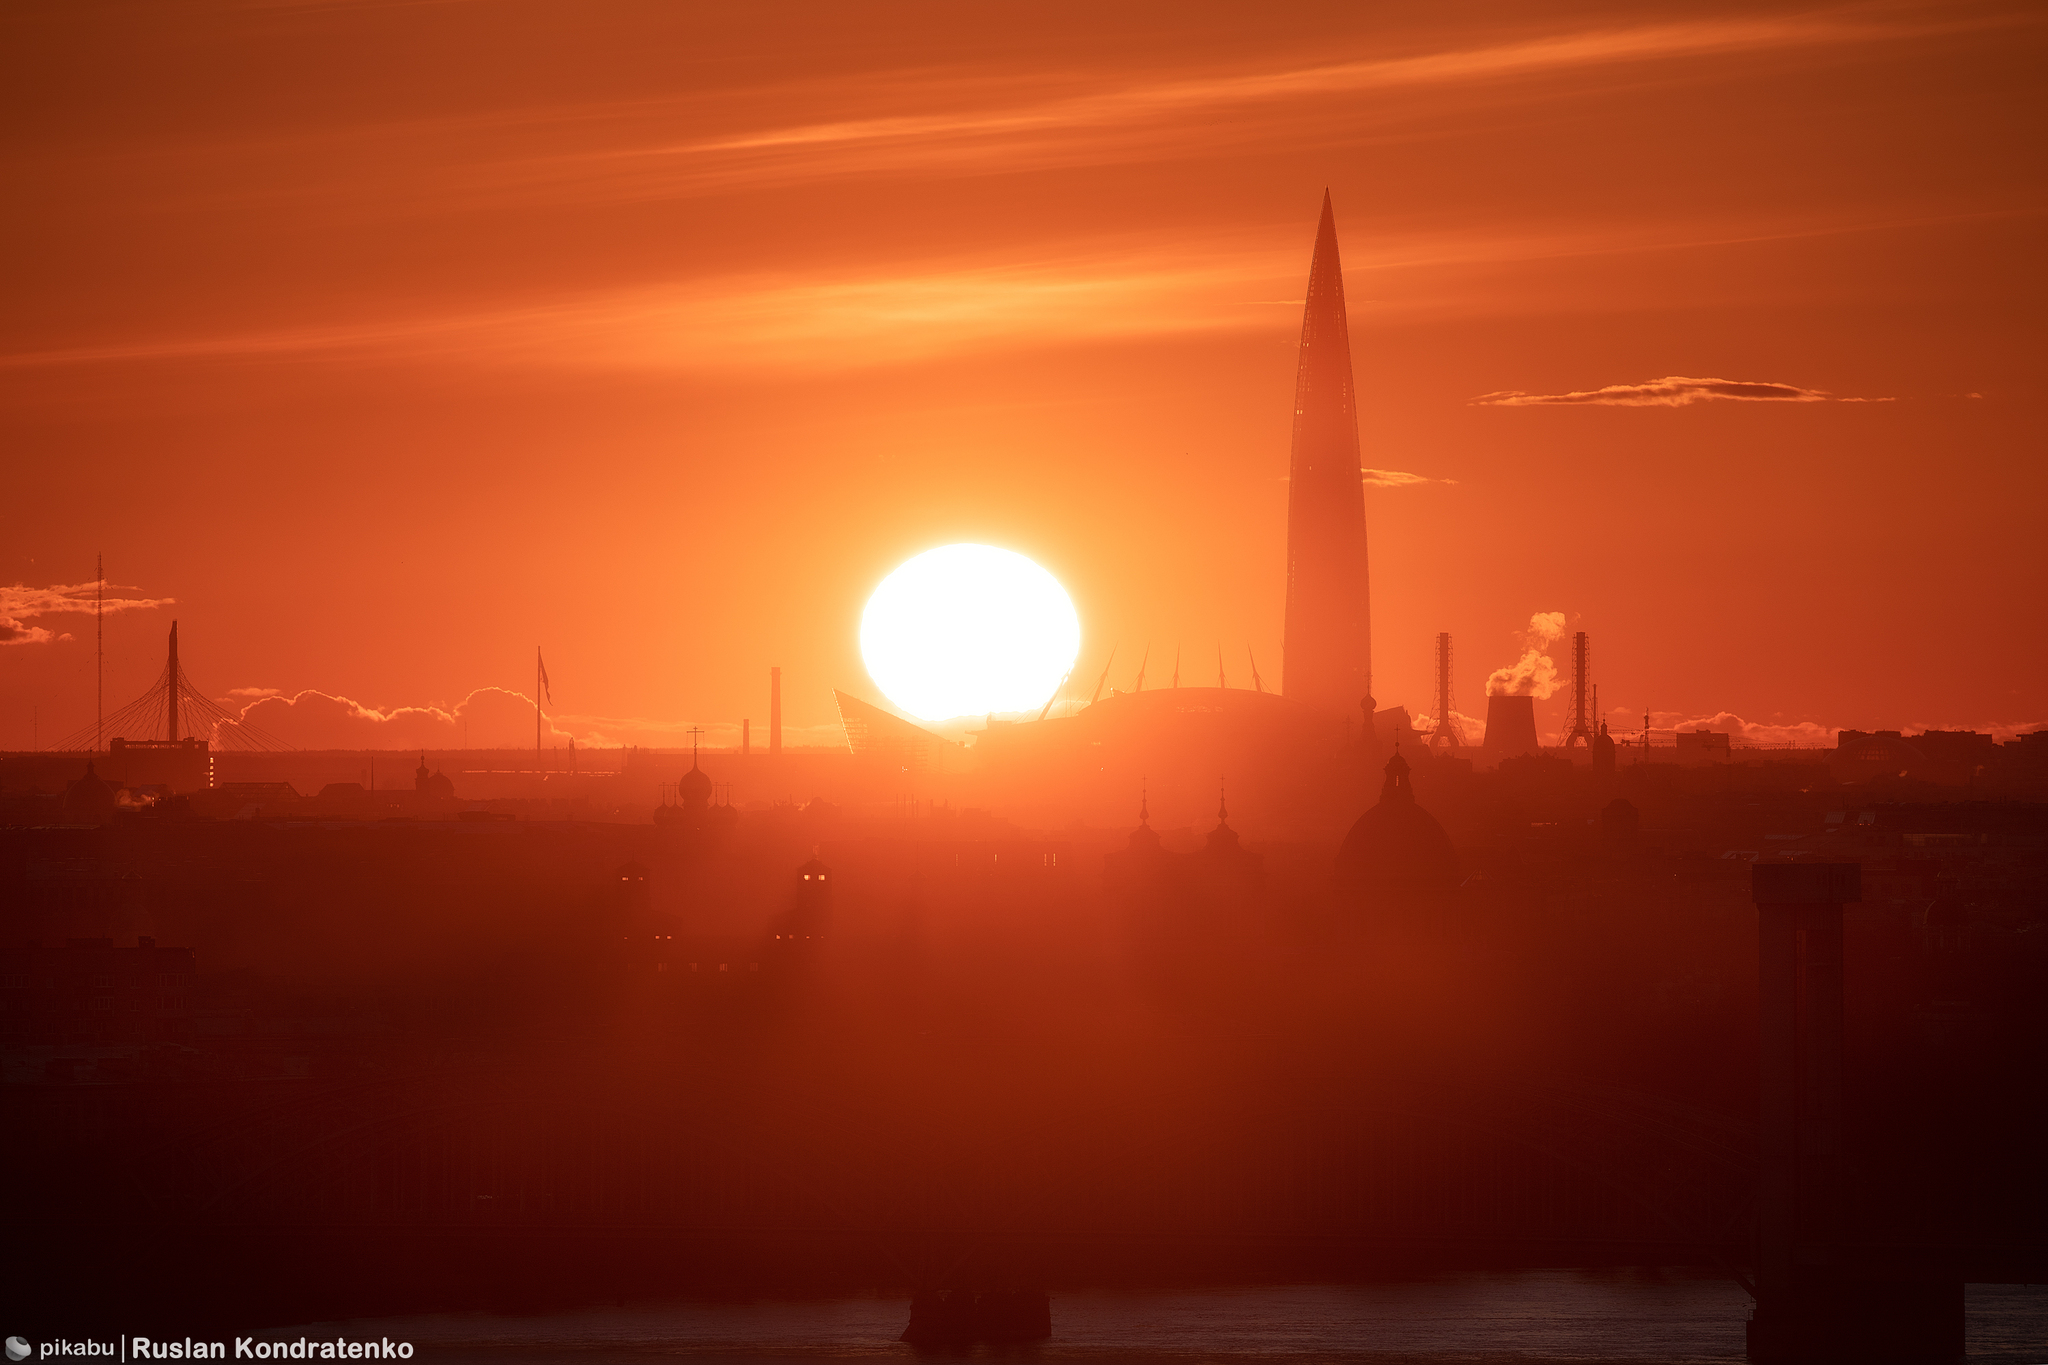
x=1327, y=659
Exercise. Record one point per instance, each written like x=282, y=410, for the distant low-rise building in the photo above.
x=183, y=765
x=1703, y=746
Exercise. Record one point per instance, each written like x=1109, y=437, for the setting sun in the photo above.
x=965, y=630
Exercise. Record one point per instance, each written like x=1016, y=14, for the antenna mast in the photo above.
x=1581, y=733
x=1446, y=728
x=99, y=641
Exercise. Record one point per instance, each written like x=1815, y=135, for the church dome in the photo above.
x=89, y=800
x=694, y=790
x=1397, y=845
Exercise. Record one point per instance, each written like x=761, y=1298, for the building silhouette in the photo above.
x=89, y=800
x=435, y=785
x=1224, y=858
x=1603, y=753
x=1397, y=846
x=1327, y=662
x=810, y=915
x=1702, y=746
x=888, y=742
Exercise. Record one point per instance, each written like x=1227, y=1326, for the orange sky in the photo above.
x=390, y=339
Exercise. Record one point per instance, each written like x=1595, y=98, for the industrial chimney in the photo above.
x=1510, y=728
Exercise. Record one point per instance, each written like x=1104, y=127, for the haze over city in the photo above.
x=391, y=340
x=1101, y=684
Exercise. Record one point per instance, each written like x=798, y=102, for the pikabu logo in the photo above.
x=123, y=1349
x=249, y=1348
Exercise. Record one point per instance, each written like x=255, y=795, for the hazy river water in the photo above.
x=1670, y=1318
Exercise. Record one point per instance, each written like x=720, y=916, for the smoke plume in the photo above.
x=1533, y=675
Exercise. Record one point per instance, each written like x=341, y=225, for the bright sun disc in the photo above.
x=965, y=630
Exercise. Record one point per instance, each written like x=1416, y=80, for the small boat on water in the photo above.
x=992, y=1317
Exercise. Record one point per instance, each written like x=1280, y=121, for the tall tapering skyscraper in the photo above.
x=1328, y=660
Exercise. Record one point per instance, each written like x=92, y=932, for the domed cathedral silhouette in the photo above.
x=1396, y=847
x=435, y=785
x=693, y=811
x=90, y=800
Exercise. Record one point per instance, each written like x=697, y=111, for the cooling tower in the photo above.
x=1510, y=727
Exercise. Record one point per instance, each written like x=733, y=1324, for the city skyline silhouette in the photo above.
x=888, y=682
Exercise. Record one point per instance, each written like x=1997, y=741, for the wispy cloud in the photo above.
x=1806, y=734
x=1672, y=391
x=20, y=604
x=978, y=120
x=488, y=718
x=1000, y=125
x=877, y=318
x=1397, y=478
x=861, y=317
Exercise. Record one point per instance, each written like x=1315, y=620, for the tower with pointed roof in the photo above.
x=1222, y=839
x=1327, y=662
x=1144, y=839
